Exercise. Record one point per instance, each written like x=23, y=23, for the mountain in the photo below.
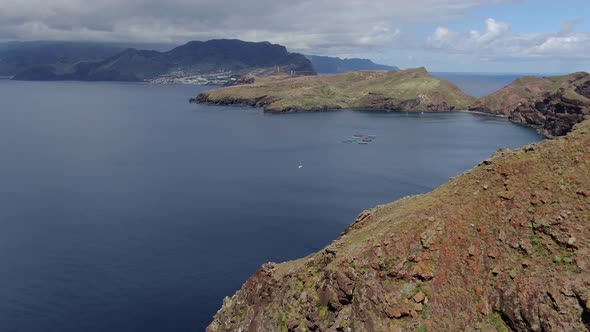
x=129, y=65
x=55, y=58
x=503, y=247
x=334, y=65
x=405, y=90
x=230, y=56
x=551, y=104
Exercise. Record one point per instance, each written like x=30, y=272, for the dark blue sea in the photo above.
x=125, y=208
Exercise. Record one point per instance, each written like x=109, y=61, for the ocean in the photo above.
x=125, y=208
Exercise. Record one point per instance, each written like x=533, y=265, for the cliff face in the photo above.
x=505, y=246
x=404, y=90
x=551, y=104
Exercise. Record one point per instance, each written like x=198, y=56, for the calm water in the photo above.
x=479, y=85
x=124, y=208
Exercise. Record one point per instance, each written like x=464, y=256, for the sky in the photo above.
x=502, y=36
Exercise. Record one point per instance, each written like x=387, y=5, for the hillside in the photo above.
x=335, y=65
x=405, y=90
x=228, y=57
x=551, y=104
x=502, y=247
x=47, y=60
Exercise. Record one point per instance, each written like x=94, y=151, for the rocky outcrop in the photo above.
x=551, y=104
x=505, y=246
x=423, y=102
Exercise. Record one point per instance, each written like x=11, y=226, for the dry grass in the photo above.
x=350, y=90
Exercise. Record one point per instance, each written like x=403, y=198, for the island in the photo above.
x=412, y=90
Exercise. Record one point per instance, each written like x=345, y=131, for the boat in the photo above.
x=367, y=140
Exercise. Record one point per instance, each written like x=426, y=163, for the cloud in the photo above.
x=497, y=41
x=335, y=26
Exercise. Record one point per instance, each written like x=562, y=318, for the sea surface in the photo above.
x=125, y=208
x=479, y=84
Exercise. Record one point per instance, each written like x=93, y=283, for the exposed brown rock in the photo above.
x=500, y=264
x=551, y=104
x=419, y=297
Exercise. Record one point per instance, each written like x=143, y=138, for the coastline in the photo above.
x=254, y=104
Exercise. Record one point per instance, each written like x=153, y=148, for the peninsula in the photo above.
x=550, y=104
x=404, y=90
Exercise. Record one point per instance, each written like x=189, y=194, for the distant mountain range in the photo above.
x=105, y=62
x=214, y=61
x=334, y=65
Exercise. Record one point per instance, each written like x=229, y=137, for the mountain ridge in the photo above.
x=195, y=58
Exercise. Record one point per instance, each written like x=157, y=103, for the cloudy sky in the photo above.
x=535, y=36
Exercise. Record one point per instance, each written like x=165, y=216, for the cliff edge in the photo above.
x=550, y=104
x=502, y=247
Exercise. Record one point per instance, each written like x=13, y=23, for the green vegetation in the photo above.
x=405, y=90
x=496, y=321
x=421, y=328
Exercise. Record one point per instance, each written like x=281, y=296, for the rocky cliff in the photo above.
x=551, y=104
x=502, y=247
x=404, y=90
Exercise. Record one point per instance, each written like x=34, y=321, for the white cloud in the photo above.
x=497, y=41
x=330, y=26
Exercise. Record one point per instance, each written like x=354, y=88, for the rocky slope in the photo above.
x=503, y=247
x=551, y=104
x=405, y=90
